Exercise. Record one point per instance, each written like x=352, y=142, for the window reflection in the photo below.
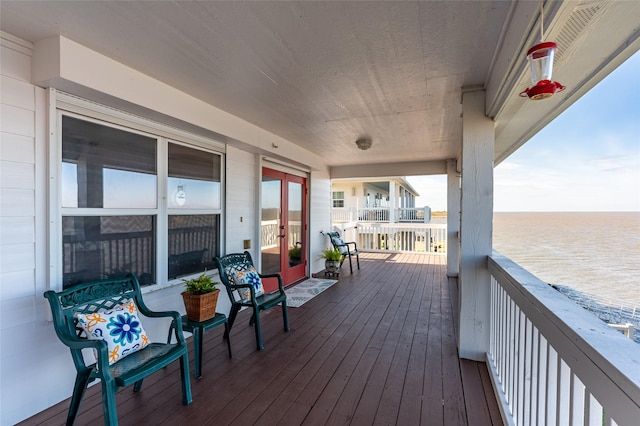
x=105, y=167
x=97, y=247
x=194, y=178
x=193, y=243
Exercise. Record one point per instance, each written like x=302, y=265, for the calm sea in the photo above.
x=594, y=253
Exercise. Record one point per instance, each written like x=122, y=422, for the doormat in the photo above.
x=301, y=293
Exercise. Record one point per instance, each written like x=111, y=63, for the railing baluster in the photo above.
x=543, y=362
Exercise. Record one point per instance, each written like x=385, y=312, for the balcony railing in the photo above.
x=270, y=231
x=382, y=214
x=419, y=238
x=552, y=361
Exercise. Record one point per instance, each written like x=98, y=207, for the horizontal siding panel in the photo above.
x=240, y=197
x=15, y=64
x=17, y=93
x=17, y=175
x=17, y=202
x=18, y=121
x=15, y=230
x=15, y=313
x=17, y=284
x=17, y=257
x=17, y=148
x=320, y=215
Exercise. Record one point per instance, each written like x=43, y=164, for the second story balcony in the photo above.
x=382, y=214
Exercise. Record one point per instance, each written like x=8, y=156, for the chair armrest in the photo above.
x=74, y=342
x=99, y=346
x=355, y=246
x=249, y=286
x=237, y=286
x=278, y=276
x=174, y=315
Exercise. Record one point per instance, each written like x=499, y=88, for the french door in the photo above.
x=284, y=226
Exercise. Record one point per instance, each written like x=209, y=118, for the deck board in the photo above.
x=378, y=347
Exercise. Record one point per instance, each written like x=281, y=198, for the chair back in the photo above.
x=335, y=237
x=333, y=234
x=87, y=298
x=230, y=263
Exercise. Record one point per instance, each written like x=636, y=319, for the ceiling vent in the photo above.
x=580, y=18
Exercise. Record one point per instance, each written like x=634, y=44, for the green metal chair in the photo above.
x=345, y=248
x=231, y=263
x=88, y=298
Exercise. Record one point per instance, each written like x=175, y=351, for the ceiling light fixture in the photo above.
x=364, y=144
x=540, y=59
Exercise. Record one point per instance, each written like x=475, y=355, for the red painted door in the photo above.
x=283, y=226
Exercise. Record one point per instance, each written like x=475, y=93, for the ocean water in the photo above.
x=591, y=252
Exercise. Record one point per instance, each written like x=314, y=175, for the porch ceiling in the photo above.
x=323, y=74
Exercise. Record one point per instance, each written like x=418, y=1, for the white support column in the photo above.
x=392, y=202
x=478, y=134
x=453, y=219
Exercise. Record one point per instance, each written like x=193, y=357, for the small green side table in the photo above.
x=197, y=329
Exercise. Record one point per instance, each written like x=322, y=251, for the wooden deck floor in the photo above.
x=378, y=347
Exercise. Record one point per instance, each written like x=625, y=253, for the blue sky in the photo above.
x=587, y=159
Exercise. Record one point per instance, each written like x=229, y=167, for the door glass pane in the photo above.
x=104, y=167
x=96, y=247
x=294, y=225
x=271, y=226
x=194, y=178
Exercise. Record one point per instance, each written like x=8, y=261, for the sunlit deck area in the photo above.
x=378, y=347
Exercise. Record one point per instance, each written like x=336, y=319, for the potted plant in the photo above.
x=332, y=258
x=200, y=297
x=295, y=255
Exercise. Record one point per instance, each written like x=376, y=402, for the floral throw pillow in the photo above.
x=248, y=275
x=119, y=326
x=339, y=244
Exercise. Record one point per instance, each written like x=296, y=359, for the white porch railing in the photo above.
x=381, y=214
x=552, y=362
x=270, y=232
x=421, y=238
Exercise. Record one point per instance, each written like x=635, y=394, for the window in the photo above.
x=114, y=219
x=338, y=199
x=193, y=185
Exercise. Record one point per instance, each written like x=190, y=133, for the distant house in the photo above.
x=390, y=200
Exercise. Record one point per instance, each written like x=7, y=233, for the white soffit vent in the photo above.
x=580, y=18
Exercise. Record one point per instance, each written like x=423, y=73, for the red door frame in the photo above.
x=291, y=271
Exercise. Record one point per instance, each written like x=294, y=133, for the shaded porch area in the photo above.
x=378, y=347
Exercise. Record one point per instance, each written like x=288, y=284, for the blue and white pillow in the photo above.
x=119, y=326
x=248, y=275
x=339, y=244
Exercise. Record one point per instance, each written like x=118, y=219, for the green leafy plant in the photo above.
x=295, y=252
x=331, y=254
x=200, y=285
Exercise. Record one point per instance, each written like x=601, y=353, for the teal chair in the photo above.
x=229, y=266
x=86, y=299
x=349, y=249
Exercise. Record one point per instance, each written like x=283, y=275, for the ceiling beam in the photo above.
x=417, y=168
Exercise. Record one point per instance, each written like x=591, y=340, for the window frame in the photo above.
x=334, y=199
x=62, y=104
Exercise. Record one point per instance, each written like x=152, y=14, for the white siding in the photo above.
x=349, y=188
x=26, y=334
x=241, y=189
x=320, y=217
